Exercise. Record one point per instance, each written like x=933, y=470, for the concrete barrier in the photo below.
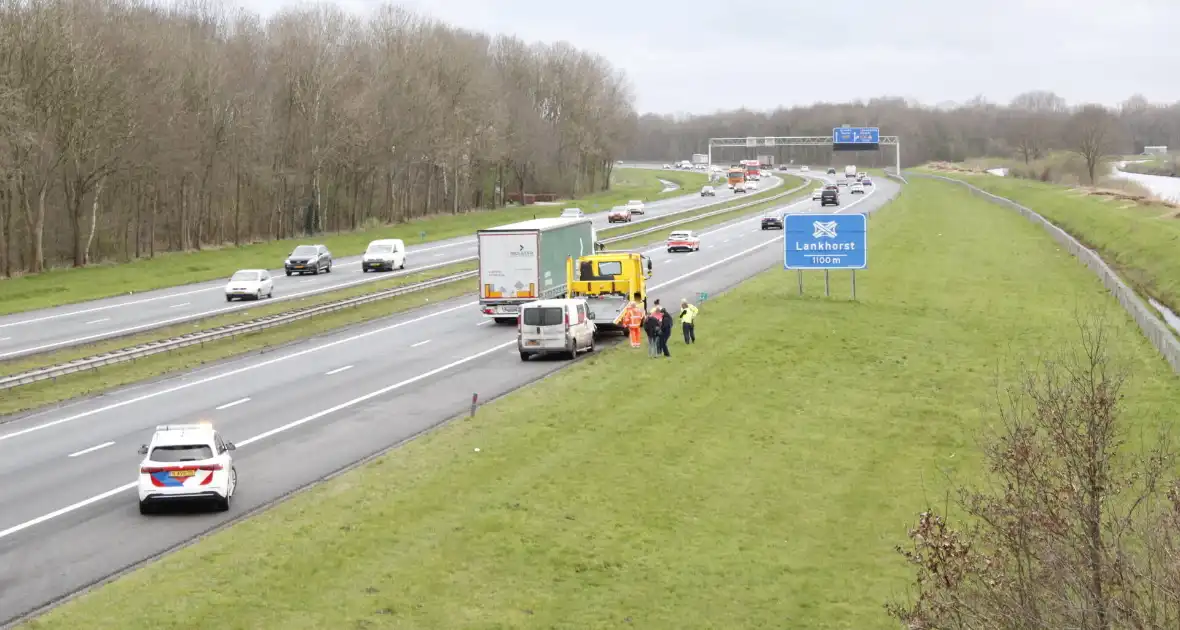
x=1144, y=315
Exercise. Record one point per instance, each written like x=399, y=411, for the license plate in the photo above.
x=297, y=266
x=374, y=264
x=182, y=473
x=532, y=342
x=509, y=309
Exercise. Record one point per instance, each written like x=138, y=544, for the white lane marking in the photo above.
x=98, y=321
x=241, y=370
x=232, y=404
x=437, y=255
x=220, y=286
x=69, y=508
x=180, y=305
x=384, y=390
x=5, y=338
x=710, y=246
x=226, y=309
x=486, y=321
x=90, y=450
x=420, y=343
x=338, y=370
x=261, y=436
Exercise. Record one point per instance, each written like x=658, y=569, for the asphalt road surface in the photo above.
x=87, y=322
x=68, y=513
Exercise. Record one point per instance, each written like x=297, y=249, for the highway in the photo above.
x=61, y=327
x=68, y=513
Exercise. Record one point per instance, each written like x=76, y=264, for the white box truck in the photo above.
x=850, y=170
x=700, y=158
x=523, y=262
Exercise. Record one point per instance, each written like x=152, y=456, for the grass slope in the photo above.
x=69, y=286
x=1141, y=241
x=756, y=480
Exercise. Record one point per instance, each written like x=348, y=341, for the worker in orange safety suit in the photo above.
x=633, y=319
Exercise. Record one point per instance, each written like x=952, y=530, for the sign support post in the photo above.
x=825, y=241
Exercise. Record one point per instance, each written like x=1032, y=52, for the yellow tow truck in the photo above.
x=608, y=281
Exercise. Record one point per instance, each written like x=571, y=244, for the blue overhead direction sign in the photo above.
x=856, y=135
x=825, y=241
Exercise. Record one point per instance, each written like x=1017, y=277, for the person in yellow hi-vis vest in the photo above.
x=633, y=320
x=688, y=317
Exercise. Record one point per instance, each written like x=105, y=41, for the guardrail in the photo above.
x=188, y=319
x=1153, y=327
x=231, y=330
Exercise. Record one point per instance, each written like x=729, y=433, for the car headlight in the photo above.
x=287, y=261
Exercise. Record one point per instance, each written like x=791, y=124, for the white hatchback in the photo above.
x=249, y=283
x=683, y=240
x=572, y=213
x=186, y=462
x=560, y=326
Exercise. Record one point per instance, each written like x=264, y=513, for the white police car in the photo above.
x=186, y=462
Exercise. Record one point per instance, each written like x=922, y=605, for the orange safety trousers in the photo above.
x=634, y=336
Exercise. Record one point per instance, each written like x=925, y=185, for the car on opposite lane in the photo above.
x=636, y=207
x=249, y=283
x=384, y=254
x=309, y=259
x=772, y=222
x=708, y=191
x=683, y=241
x=619, y=214
x=866, y=182
x=572, y=213
x=185, y=463
x=740, y=187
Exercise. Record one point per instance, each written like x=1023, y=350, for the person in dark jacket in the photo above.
x=665, y=330
x=651, y=326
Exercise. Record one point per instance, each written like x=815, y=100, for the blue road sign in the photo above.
x=856, y=135
x=826, y=241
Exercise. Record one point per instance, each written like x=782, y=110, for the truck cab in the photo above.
x=608, y=281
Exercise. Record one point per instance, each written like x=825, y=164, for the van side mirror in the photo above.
x=649, y=265
x=230, y=446
x=143, y=449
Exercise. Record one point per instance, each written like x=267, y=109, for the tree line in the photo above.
x=1027, y=128
x=128, y=128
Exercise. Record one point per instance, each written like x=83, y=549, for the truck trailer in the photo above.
x=526, y=261
x=766, y=162
x=850, y=170
x=700, y=158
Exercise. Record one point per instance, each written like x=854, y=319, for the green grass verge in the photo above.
x=69, y=286
x=1141, y=241
x=91, y=382
x=259, y=309
x=789, y=182
x=757, y=479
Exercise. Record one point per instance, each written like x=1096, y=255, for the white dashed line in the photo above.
x=180, y=305
x=90, y=450
x=339, y=370
x=232, y=404
x=420, y=343
x=486, y=321
x=99, y=321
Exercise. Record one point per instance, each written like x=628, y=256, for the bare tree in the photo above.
x=131, y=127
x=1070, y=524
x=1091, y=134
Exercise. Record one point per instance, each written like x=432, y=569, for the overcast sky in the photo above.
x=692, y=56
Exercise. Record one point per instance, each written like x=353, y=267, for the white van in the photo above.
x=387, y=254
x=561, y=326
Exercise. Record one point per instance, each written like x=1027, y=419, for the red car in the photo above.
x=619, y=215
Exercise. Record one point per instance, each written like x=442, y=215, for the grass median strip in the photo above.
x=1141, y=241
x=261, y=308
x=69, y=286
x=91, y=382
x=700, y=224
x=751, y=479
x=789, y=182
